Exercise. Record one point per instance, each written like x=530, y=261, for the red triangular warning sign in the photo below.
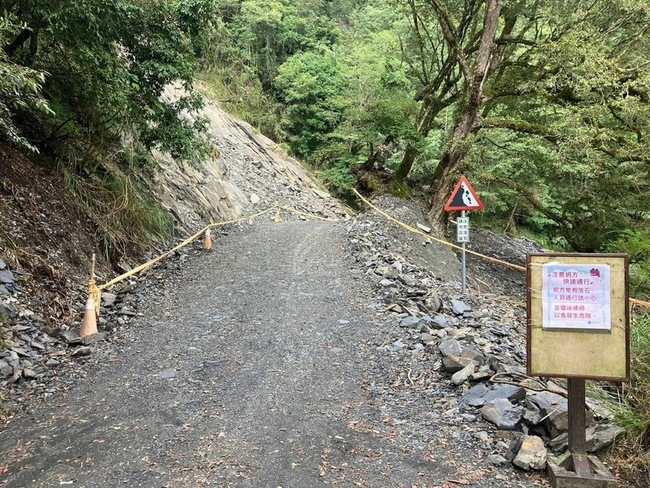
x=464, y=197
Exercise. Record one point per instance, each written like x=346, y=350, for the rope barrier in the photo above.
x=95, y=291
x=187, y=241
x=632, y=301
x=307, y=215
x=439, y=241
x=192, y=238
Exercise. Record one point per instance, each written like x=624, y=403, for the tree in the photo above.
x=475, y=73
x=310, y=86
x=108, y=65
x=20, y=90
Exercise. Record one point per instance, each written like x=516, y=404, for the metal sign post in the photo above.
x=462, y=237
x=463, y=198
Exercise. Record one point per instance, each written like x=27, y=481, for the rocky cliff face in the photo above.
x=247, y=173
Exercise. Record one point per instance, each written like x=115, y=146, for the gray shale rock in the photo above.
x=496, y=460
x=108, y=299
x=599, y=437
x=532, y=454
x=473, y=354
x=474, y=397
x=602, y=436
x=450, y=347
x=8, y=311
x=386, y=283
x=453, y=364
x=5, y=369
x=462, y=376
x=7, y=277
x=502, y=413
x=410, y=322
x=480, y=394
x=460, y=309
x=432, y=304
x=440, y=322
x=483, y=373
x=554, y=410
x=509, y=392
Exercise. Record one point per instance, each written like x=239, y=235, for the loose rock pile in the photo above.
x=29, y=357
x=38, y=360
x=477, y=343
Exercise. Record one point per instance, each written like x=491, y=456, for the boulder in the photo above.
x=502, y=413
x=531, y=454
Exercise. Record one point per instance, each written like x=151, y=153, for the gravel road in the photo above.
x=255, y=366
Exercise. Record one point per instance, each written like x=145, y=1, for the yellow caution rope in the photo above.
x=189, y=240
x=633, y=301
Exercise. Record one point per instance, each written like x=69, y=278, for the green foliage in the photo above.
x=241, y=95
x=258, y=36
x=632, y=410
x=560, y=151
x=340, y=181
x=109, y=64
x=125, y=221
x=310, y=87
x=20, y=90
x=636, y=243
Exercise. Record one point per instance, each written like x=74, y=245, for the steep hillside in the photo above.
x=246, y=174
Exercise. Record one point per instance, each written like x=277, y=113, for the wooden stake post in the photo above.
x=578, y=304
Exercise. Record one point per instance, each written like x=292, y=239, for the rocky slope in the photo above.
x=247, y=173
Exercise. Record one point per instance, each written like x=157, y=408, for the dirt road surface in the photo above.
x=254, y=367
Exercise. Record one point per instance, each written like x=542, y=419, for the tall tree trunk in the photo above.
x=423, y=124
x=406, y=164
x=470, y=121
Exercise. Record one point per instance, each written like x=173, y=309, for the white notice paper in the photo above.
x=576, y=297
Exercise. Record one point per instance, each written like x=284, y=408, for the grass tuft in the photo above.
x=126, y=221
x=632, y=410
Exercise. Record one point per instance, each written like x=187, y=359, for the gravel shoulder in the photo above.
x=259, y=364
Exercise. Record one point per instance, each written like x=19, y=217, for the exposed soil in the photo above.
x=43, y=238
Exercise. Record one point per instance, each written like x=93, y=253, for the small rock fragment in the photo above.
x=168, y=373
x=409, y=322
x=82, y=352
x=7, y=277
x=461, y=376
x=460, y=309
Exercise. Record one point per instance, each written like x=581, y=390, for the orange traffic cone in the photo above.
x=207, y=241
x=277, y=217
x=89, y=324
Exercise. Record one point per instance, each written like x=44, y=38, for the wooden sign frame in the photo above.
x=578, y=350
